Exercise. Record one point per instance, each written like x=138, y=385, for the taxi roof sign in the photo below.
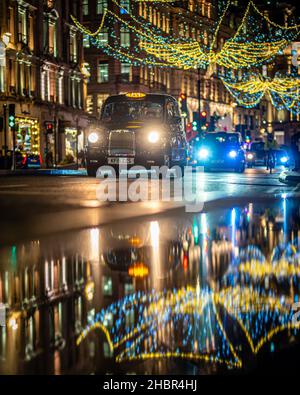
x=135, y=95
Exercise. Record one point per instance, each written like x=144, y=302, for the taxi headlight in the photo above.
x=153, y=137
x=93, y=138
x=233, y=154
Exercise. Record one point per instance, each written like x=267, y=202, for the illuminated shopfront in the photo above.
x=27, y=135
x=73, y=143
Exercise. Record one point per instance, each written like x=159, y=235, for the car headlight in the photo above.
x=153, y=137
x=250, y=156
x=93, y=138
x=284, y=159
x=203, y=153
x=233, y=154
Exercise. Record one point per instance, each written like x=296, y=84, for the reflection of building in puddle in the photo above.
x=47, y=300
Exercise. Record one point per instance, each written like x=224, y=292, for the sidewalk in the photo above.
x=290, y=177
x=44, y=172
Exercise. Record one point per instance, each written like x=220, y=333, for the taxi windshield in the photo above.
x=133, y=111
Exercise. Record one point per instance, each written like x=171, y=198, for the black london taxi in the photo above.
x=137, y=129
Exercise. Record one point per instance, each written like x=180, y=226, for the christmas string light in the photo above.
x=188, y=54
x=260, y=314
x=283, y=91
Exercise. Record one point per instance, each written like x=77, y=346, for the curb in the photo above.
x=290, y=177
x=44, y=172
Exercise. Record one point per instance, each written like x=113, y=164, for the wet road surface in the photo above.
x=33, y=206
x=93, y=287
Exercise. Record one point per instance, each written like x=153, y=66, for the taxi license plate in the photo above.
x=120, y=161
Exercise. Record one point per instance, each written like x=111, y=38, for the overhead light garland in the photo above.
x=165, y=51
x=283, y=91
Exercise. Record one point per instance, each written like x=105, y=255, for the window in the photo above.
x=103, y=74
x=73, y=47
x=2, y=67
x=61, y=88
x=86, y=41
x=125, y=38
x=107, y=286
x=85, y=7
x=101, y=6
x=100, y=101
x=133, y=111
x=22, y=26
x=89, y=104
x=125, y=6
x=103, y=37
x=125, y=72
x=172, y=109
x=52, y=38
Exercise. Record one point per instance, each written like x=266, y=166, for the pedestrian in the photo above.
x=270, y=148
x=295, y=148
x=49, y=159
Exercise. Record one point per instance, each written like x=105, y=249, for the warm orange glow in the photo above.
x=139, y=270
x=135, y=95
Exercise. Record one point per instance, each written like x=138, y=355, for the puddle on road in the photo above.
x=206, y=293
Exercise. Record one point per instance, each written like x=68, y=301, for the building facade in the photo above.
x=42, y=73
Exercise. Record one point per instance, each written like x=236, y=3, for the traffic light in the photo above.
x=203, y=120
x=183, y=104
x=12, y=116
x=248, y=136
x=49, y=127
x=195, y=126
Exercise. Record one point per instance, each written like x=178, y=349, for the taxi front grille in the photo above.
x=121, y=142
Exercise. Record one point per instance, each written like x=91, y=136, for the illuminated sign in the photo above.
x=135, y=95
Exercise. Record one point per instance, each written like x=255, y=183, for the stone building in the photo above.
x=42, y=73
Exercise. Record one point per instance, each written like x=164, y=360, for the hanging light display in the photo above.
x=153, y=47
x=283, y=91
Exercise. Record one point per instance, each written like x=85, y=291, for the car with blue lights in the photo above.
x=220, y=151
x=282, y=157
x=137, y=129
x=257, y=156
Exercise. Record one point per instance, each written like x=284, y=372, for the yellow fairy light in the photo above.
x=190, y=55
x=286, y=88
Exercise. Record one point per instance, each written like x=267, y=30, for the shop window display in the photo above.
x=27, y=135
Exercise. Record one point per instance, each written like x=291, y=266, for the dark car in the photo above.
x=282, y=157
x=137, y=129
x=256, y=155
x=220, y=150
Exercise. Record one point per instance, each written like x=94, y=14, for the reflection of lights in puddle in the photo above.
x=12, y=323
x=94, y=244
x=138, y=270
x=89, y=290
x=91, y=203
